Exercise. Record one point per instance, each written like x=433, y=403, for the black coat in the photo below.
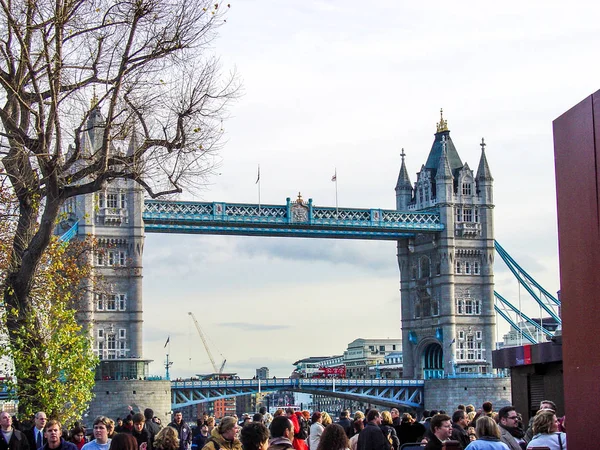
x=372, y=438
x=18, y=441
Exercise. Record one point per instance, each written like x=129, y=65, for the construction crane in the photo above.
x=210, y=356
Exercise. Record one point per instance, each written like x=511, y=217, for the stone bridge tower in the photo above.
x=111, y=308
x=446, y=279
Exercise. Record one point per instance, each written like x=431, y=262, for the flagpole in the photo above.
x=336, y=194
x=258, y=183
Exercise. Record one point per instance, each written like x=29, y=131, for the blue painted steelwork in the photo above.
x=294, y=219
x=546, y=300
x=501, y=309
x=389, y=393
x=70, y=233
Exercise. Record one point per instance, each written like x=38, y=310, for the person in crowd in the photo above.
x=201, y=437
x=77, y=437
x=510, y=432
x=334, y=438
x=440, y=431
x=327, y=420
x=255, y=436
x=124, y=441
x=53, y=435
x=316, y=429
x=139, y=431
x=488, y=410
x=267, y=416
x=224, y=435
x=459, y=428
x=119, y=425
x=282, y=433
x=545, y=432
x=210, y=423
x=358, y=426
x=470, y=409
x=103, y=428
x=410, y=429
x=488, y=435
x=183, y=431
x=258, y=417
x=297, y=442
x=11, y=438
x=388, y=430
x=127, y=424
x=371, y=437
x=278, y=412
x=151, y=427
x=167, y=439
x=346, y=423
x=544, y=405
x=35, y=436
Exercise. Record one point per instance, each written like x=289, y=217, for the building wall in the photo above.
x=447, y=394
x=112, y=398
x=577, y=157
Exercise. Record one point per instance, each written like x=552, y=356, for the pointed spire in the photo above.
x=403, y=178
x=483, y=171
x=444, y=172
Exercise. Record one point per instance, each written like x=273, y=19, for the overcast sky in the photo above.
x=347, y=84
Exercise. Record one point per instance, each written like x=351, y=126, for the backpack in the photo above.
x=303, y=433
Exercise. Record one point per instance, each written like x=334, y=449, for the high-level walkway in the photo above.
x=387, y=393
x=294, y=219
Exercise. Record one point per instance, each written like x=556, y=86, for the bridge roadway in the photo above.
x=294, y=219
x=386, y=393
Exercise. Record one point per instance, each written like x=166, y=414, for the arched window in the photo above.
x=424, y=267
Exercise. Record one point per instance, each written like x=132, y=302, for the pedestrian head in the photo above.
x=282, y=427
x=316, y=417
x=326, y=419
x=548, y=404
x=545, y=422
x=123, y=441
x=406, y=418
x=167, y=439
x=486, y=426
x=148, y=413
x=333, y=438
x=228, y=427
x=487, y=407
x=372, y=415
x=255, y=436
x=386, y=418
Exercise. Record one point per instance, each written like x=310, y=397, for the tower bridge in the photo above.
x=443, y=226
x=388, y=393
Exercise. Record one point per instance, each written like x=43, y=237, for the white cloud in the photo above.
x=347, y=84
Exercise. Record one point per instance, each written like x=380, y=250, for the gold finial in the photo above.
x=442, y=125
x=94, y=101
x=299, y=200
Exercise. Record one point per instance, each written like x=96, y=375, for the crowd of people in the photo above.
x=484, y=429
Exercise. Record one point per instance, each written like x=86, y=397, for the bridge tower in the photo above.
x=111, y=307
x=446, y=279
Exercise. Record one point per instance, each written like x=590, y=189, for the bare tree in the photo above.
x=148, y=67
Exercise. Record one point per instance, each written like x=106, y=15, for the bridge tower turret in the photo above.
x=404, y=190
x=446, y=279
x=111, y=307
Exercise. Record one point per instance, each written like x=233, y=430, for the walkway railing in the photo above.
x=296, y=219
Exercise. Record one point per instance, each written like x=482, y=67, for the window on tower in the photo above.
x=466, y=188
x=458, y=215
x=476, y=268
x=468, y=214
x=458, y=267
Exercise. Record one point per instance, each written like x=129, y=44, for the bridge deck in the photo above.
x=294, y=219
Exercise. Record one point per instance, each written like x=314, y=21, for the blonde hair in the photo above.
x=543, y=421
x=227, y=423
x=326, y=419
x=167, y=439
x=486, y=426
x=386, y=418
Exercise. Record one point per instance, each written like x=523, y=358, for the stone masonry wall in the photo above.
x=448, y=393
x=112, y=399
